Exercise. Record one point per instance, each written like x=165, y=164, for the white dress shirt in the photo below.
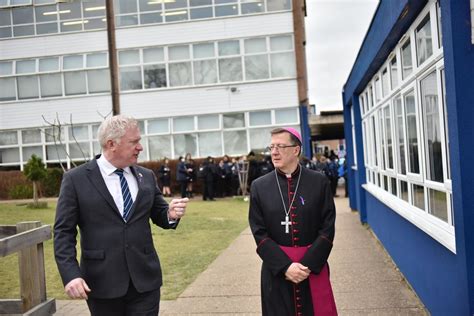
x=112, y=181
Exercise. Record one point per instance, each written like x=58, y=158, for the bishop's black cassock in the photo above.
x=312, y=219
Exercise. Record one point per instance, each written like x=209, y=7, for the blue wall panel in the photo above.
x=436, y=274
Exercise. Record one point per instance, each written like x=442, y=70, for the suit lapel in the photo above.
x=98, y=181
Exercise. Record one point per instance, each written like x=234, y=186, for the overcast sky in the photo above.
x=334, y=33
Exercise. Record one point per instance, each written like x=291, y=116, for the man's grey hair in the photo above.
x=114, y=127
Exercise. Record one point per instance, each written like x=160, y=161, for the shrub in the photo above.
x=51, y=184
x=21, y=191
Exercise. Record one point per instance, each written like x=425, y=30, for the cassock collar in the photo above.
x=293, y=175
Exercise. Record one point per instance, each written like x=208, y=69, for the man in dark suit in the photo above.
x=112, y=200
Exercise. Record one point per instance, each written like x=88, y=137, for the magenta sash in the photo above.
x=319, y=284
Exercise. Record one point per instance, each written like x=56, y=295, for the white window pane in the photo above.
x=56, y=152
x=30, y=151
x=49, y=64
x=98, y=80
x=229, y=48
x=259, y=138
x=155, y=54
x=96, y=60
x=438, y=204
x=284, y=42
x=205, y=72
x=283, y=65
x=203, y=50
x=182, y=124
x=31, y=136
x=151, y=18
x=93, y=8
x=155, y=76
x=226, y=10
x=51, y=85
x=230, y=69
x=126, y=20
x=72, y=26
x=418, y=196
x=22, y=15
x=6, y=68
x=175, y=4
x=75, y=82
x=5, y=18
x=27, y=87
x=79, y=150
x=44, y=1
x=147, y=5
x=197, y=3
x=178, y=52
x=413, y=147
x=26, y=66
x=23, y=30
x=180, y=74
x=277, y=5
x=400, y=135
x=234, y=120
x=46, y=13
x=9, y=155
x=256, y=67
x=73, y=62
x=130, y=78
x=286, y=116
x=394, y=73
x=7, y=92
x=260, y=118
x=5, y=32
x=424, y=40
x=385, y=82
x=208, y=122
x=125, y=6
x=255, y=45
x=200, y=13
x=159, y=147
x=407, y=66
x=129, y=57
x=47, y=28
x=432, y=128
x=70, y=11
x=52, y=134
x=8, y=138
x=235, y=142
x=210, y=144
x=252, y=6
x=185, y=143
x=158, y=126
x=177, y=15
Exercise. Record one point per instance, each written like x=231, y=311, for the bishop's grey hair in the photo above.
x=114, y=127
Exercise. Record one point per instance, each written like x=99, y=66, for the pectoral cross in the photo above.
x=287, y=224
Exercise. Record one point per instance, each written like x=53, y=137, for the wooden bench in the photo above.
x=27, y=239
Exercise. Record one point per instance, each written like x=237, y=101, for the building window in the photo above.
x=405, y=137
x=424, y=40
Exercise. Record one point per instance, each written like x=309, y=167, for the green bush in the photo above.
x=51, y=184
x=21, y=191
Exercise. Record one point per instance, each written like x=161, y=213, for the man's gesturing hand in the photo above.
x=77, y=288
x=177, y=208
x=297, y=272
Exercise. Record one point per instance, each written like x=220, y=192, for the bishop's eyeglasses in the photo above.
x=279, y=147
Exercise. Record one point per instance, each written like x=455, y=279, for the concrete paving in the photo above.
x=365, y=280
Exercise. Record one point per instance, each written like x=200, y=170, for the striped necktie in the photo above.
x=127, y=197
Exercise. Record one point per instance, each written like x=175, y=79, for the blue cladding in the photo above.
x=444, y=281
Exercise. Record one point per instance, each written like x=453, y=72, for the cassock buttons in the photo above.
x=293, y=215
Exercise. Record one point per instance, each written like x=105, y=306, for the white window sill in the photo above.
x=434, y=227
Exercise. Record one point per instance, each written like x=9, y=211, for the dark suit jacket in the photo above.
x=113, y=252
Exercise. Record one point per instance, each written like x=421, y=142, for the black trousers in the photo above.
x=132, y=304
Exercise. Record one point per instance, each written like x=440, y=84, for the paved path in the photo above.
x=364, y=279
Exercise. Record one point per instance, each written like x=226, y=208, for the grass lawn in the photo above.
x=206, y=230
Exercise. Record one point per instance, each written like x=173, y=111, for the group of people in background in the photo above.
x=221, y=179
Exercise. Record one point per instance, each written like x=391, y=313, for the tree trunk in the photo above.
x=35, y=193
